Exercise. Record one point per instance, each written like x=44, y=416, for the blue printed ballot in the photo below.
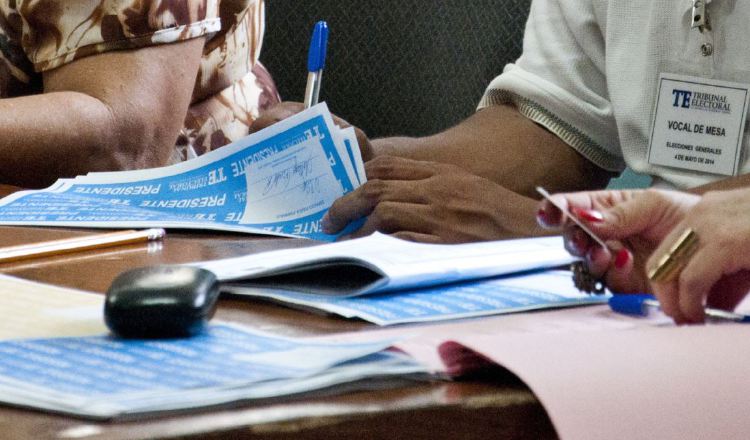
x=278, y=181
x=468, y=299
x=101, y=377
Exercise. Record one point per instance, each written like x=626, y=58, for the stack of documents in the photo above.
x=103, y=377
x=56, y=356
x=279, y=181
x=387, y=281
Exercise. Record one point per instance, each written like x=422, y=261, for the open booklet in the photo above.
x=68, y=363
x=278, y=181
x=387, y=281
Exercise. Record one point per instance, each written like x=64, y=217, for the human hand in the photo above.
x=632, y=223
x=718, y=273
x=430, y=202
x=287, y=109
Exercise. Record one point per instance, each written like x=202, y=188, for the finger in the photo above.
x=363, y=200
x=632, y=216
x=664, y=247
x=668, y=293
x=399, y=168
x=703, y=270
x=619, y=277
x=346, y=209
x=395, y=217
x=584, y=205
x=576, y=241
x=598, y=261
x=552, y=211
x=549, y=216
x=275, y=114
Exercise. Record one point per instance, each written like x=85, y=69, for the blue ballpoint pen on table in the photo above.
x=316, y=61
x=631, y=304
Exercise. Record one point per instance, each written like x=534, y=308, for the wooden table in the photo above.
x=497, y=406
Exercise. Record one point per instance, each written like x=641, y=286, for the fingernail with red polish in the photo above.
x=622, y=258
x=589, y=215
x=541, y=217
x=548, y=216
x=577, y=242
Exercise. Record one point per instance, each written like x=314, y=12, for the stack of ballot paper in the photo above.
x=61, y=359
x=102, y=377
x=278, y=181
x=387, y=281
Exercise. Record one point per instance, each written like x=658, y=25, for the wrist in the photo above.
x=517, y=215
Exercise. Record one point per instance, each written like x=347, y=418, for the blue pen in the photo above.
x=316, y=61
x=639, y=305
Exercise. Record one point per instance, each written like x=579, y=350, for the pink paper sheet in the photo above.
x=601, y=375
x=645, y=383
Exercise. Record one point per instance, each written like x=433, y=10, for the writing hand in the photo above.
x=287, y=109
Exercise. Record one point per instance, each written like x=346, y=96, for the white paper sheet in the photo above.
x=36, y=310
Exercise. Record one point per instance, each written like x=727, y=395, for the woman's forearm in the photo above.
x=108, y=112
x=43, y=137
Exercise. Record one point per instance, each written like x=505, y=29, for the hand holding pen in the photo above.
x=316, y=59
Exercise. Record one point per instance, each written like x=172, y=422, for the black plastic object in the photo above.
x=161, y=302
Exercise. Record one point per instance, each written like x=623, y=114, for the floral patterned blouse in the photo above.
x=231, y=88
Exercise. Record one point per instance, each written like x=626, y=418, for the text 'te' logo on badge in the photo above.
x=681, y=95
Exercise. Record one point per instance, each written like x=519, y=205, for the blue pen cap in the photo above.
x=316, y=57
x=630, y=304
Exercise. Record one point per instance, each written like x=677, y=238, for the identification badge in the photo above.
x=698, y=124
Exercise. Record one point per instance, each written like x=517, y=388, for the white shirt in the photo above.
x=589, y=72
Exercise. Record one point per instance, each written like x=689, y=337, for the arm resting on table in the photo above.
x=106, y=112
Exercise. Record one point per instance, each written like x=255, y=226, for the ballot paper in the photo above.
x=381, y=263
x=104, y=377
x=384, y=280
x=56, y=354
x=468, y=299
x=279, y=181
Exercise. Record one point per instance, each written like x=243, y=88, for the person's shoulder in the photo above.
x=236, y=12
x=82, y=27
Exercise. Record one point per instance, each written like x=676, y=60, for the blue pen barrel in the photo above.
x=316, y=61
x=316, y=56
x=631, y=304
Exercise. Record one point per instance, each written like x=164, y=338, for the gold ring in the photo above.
x=675, y=259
